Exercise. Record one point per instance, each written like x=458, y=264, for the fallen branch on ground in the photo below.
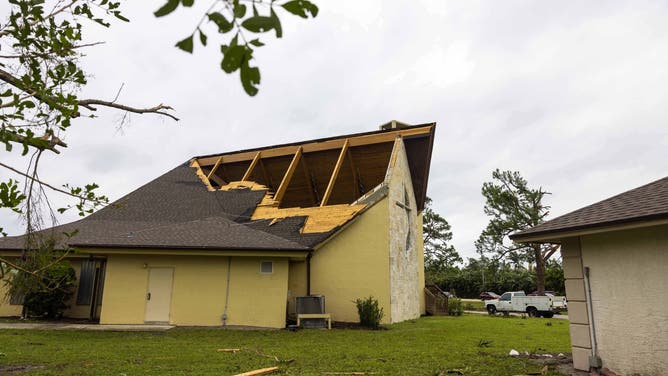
x=263, y=371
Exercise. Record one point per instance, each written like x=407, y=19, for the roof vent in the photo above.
x=394, y=124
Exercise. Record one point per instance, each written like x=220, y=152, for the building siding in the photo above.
x=73, y=311
x=355, y=264
x=199, y=288
x=628, y=282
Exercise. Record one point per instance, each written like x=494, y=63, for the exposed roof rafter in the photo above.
x=335, y=173
x=280, y=192
x=248, y=173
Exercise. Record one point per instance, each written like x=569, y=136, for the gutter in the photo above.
x=308, y=273
x=227, y=290
x=594, y=359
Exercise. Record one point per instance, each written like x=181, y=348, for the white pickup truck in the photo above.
x=534, y=306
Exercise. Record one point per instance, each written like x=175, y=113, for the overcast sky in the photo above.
x=572, y=94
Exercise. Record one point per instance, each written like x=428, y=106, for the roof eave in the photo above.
x=314, y=141
x=556, y=235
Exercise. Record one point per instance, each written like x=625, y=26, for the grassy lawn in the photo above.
x=426, y=346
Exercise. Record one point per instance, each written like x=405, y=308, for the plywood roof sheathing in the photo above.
x=200, y=174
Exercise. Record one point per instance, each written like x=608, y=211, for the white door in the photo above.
x=159, y=295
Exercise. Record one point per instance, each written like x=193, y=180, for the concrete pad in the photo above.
x=89, y=327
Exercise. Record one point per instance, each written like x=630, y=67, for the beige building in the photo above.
x=615, y=259
x=233, y=238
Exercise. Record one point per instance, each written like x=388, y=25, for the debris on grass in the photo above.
x=5, y=370
x=262, y=371
x=258, y=352
x=349, y=373
x=514, y=352
x=453, y=371
x=485, y=343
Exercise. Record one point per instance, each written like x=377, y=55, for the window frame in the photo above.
x=263, y=262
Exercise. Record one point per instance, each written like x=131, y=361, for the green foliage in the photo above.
x=554, y=277
x=512, y=206
x=49, y=300
x=370, y=312
x=455, y=307
x=439, y=255
x=232, y=17
x=40, y=75
x=499, y=277
x=10, y=197
x=43, y=278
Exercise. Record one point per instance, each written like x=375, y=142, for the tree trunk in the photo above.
x=540, y=268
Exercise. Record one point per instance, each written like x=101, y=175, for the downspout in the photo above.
x=594, y=360
x=227, y=290
x=308, y=273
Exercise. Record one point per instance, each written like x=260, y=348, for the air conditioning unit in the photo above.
x=310, y=304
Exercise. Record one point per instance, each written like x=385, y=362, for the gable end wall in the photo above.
x=406, y=253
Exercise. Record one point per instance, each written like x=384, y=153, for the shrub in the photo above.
x=48, y=298
x=370, y=312
x=455, y=307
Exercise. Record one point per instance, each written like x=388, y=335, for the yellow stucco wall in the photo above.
x=258, y=299
x=355, y=264
x=7, y=310
x=628, y=273
x=198, y=292
x=74, y=310
x=296, y=282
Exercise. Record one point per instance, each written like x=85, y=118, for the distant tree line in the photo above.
x=503, y=264
x=480, y=275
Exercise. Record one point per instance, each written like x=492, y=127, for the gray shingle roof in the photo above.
x=177, y=211
x=646, y=203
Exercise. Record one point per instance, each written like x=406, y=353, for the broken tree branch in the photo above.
x=89, y=103
x=263, y=371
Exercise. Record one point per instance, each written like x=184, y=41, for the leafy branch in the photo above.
x=233, y=18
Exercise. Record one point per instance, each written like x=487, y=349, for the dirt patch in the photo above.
x=16, y=369
x=562, y=363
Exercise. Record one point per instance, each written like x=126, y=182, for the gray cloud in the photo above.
x=571, y=94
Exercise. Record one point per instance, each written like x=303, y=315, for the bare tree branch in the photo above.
x=89, y=103
x=50, y=186
x=46, y=142
x=49, y=54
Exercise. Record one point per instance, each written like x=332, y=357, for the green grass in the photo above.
x=422, y=347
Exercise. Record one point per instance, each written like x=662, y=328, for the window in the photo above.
x=266, y=267
x=17, y=298
x=505, y=296
x=17, y=295
x=86, y=280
